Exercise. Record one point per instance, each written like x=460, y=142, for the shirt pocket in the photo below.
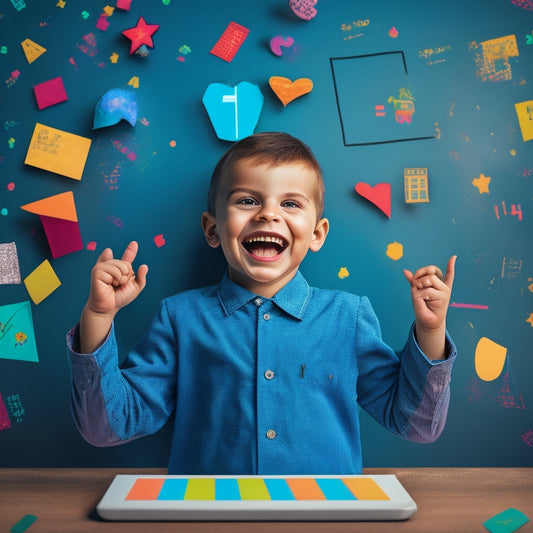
x=318, y=375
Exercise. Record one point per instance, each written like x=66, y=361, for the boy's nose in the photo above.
x=267, y=213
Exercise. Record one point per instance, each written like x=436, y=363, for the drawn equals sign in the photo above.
x=380, y=110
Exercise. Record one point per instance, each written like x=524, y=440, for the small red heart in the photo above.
x=379, y=195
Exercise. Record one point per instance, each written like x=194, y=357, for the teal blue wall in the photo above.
x=472, y=128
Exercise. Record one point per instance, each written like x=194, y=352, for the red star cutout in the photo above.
x=141, y=34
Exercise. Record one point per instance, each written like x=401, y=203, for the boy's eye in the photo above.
x=247, y=201
x=290, y=204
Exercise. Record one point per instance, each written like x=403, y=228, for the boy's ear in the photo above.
x=319, y=235
x=209, y=225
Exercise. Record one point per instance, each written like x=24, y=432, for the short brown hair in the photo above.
x=274, y=148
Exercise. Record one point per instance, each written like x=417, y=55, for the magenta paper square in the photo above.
x=50, y=92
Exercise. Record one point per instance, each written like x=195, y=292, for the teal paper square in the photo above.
x=17, y=337
x=506, y=521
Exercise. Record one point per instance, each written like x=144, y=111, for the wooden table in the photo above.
x=451, y=500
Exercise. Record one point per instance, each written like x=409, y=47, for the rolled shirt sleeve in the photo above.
x=113, y=404
x=406, y=392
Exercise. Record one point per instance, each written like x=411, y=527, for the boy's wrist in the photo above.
x=93, y=329
x=89, y=313
x=430, y=331
x=432, y=341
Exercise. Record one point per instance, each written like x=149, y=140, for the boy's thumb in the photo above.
x=141, y=276
x=408, y=275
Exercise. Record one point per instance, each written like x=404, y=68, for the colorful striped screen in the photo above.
x=258, y=489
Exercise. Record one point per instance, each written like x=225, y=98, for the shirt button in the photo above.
x=266, y=316
x=271, y=434
x=269, y=374
x=258, y=302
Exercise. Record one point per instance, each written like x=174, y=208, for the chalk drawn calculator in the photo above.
x=204, y=498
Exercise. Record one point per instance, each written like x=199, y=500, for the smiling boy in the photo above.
x=262, y=372
x=266, y=216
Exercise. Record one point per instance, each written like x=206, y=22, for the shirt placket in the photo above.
x=267, y=384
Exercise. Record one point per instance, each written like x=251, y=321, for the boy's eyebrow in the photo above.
x=298, y=195
x=240, y=190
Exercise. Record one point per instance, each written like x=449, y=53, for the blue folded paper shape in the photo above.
x=115, y=105
x=233, y=111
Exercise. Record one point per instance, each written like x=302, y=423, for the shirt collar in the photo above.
x=292, y=298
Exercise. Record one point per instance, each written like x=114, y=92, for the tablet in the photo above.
x=204, y=498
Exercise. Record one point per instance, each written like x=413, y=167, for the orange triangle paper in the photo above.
x=59, y=206
x=32, y=50
x=287, y=90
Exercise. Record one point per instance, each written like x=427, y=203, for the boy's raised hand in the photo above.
x=113, y=285
x=430, y=293
x=113, y=281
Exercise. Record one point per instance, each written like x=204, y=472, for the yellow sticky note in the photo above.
x=489, y=359
x=32, y=50
x=58, y=151
x=415, y=181
x=524, y=112
x=42, y=282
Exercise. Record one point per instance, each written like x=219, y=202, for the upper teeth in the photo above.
x=264, y=238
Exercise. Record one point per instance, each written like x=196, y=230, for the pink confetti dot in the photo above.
x=11, y=186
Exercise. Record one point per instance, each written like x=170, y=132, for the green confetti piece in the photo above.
x=23, y=524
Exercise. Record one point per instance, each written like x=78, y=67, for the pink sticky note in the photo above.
x=63, y=236
x=230, y=41
x=102, y=23
x=5, y=423
x=50, y=92
x=124, y=4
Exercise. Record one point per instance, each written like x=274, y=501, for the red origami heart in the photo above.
x=379, y=195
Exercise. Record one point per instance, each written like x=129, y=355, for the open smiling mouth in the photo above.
x=265, y=246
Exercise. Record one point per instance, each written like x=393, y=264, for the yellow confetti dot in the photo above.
x=113, y=57
x=513, y=152
x=394, y=250
x=343, y=273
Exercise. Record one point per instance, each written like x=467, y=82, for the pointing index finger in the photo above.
x=106, y=255
x=130, y=252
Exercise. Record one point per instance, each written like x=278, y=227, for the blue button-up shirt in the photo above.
x=260, y=386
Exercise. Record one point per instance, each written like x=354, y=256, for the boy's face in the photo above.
x=266, y=221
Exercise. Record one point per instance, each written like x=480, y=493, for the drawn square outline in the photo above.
x=337, y=98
